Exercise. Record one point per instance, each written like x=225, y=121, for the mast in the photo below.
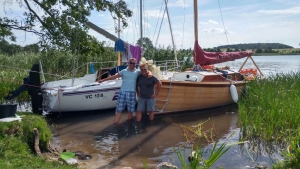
x=141, y=27
x=119, y=57
x=196, y=20
x=174, y=48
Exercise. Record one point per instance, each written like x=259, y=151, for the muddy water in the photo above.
x=129, y=145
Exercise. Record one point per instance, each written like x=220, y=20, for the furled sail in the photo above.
x=207, y=58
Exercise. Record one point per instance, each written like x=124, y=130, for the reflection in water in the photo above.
x=131, y=143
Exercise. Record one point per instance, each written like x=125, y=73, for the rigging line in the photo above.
x=223, y=21
x=157, y=20
x=183, y=24
x=132, y=20
x=160, y=27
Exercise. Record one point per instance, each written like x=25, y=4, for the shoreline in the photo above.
x=274, y=54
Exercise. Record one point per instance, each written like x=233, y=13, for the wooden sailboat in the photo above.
x=202, y=88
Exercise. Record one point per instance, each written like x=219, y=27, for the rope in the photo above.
x=157, y=21
x=223, y=22
x=167, y=98
x=183, y=23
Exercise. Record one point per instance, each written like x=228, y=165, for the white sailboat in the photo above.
x=85, y=94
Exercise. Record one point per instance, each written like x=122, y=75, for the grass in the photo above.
x=270, y=116
x=194, y=135
x=17, y=143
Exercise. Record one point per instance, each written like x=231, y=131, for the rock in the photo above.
x=126, y=168
x=191, y=156
x=166, y=165
x=71, y=161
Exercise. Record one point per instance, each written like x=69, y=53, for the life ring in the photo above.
x=208, y=66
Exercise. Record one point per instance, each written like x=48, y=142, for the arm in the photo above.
x=137, y=90
x=157, y=89
x=150, y=74
x=110, y=78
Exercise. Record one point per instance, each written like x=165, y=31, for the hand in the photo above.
x=150, y=74
x=154, y=95
x=138, y=95
x=101, y=80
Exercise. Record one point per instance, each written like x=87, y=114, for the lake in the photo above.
x=111, y=147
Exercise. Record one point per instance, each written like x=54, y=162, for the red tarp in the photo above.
x=207, y=58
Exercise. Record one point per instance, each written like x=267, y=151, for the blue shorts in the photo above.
x=148, y=104
x=126, y=98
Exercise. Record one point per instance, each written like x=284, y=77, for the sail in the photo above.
x=207, y=58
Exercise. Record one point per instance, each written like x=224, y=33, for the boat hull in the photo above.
x=88, y=97
x=178, y=96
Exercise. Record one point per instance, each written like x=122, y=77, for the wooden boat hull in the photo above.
x=177, y=96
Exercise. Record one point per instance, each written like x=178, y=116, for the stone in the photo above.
x=166, y=165
x=71, y=161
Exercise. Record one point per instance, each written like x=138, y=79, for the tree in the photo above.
x=63, y=21
x=259, y=50
x=147, y=43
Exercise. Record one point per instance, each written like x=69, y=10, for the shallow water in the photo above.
x=112, y=147
x=94, y=134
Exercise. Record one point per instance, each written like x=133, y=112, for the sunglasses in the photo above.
x=144, y=69
x=132, y=63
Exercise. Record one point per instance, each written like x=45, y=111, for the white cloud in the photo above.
x=209, y=22
x=217, y=31
x=294, y=10
x=179, y=3
x=154, y=14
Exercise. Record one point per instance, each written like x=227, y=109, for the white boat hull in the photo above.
x=91, y=96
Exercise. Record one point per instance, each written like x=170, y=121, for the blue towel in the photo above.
x=92, y=69
x=119, y=46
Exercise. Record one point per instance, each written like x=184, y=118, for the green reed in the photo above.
x=9, y=81
x=194, y=135
x=271, y=106
x=269, y=111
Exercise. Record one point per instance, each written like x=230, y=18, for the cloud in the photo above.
x=179, y=3
x=217, y=31
x=209, y=22
x=294, y=10
x=154, y=14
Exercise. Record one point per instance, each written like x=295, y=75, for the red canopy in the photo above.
x=207, y=58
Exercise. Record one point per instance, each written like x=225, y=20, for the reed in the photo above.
x=269, y=112
x=10, y=81
x=194, y=136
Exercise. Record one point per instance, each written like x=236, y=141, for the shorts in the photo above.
x=126, y=98
x=148, y=104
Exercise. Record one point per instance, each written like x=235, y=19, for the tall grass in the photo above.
x=269, y=112
x=271, y=106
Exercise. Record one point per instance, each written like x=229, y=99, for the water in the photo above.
x=269, y=64
x=111, y=147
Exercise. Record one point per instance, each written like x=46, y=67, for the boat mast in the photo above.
x=196, y=20
x=141, y=28
x=119, y=57
x=174, y=48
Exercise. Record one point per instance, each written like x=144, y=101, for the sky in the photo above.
x=245, y=21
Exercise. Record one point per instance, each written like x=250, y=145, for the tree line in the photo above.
x=256, y=46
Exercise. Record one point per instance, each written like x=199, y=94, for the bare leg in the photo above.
x=151, y=115
x=129, y=115
x=118, y=117
x=138, y=116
